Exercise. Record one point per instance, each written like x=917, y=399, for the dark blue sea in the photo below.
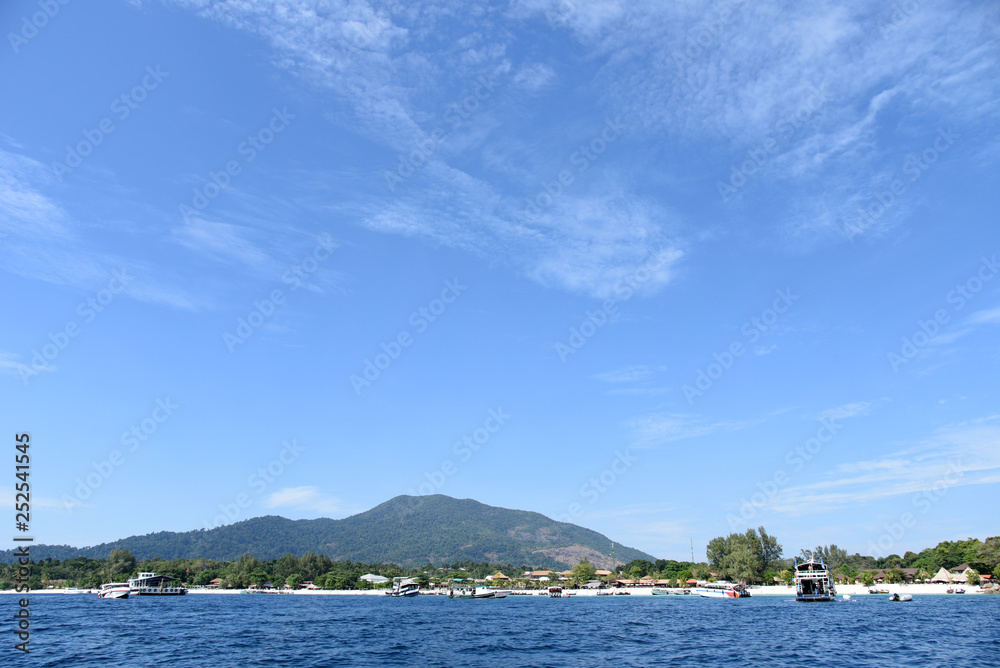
x=221, y=631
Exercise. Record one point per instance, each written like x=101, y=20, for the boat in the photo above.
x=151, y=584
x=403, y=588
x=114, y=590
x=660, y=591
x=813, y=581
x=470, y=592
x=555, y=592
x=880, y=591
x=959, y=591
x=723, y=590
x=502, y=593
x=901, y=597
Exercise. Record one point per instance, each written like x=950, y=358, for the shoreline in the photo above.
x=767, y=590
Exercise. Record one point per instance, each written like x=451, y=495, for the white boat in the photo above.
x=555, y=592
x=502, y=593
x=151, y=584
x=723, y=590
x=901, y=597
x=813, y=581
x=114, y=590
x=403, y=588
x=470, y=592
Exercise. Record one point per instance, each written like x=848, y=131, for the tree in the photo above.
x=121, y=561
x=974, y=578
x=744, y=557
x=868, y=578
x=583, y=572
x=293, y=581
x=895, y=576
x=788, y=577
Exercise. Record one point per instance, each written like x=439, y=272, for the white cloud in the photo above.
x=847, y=410
x=961, y=454
x=658, y=428
x=987, y=316
x=303, y=498
x=629, y=374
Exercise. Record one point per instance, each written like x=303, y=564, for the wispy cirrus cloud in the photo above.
x=655, y=429
x=971, y=448
x=307, y=497
x=629, y=374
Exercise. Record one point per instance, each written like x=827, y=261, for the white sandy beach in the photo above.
x=780, y=590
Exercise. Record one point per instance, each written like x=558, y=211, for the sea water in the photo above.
x=218, y=631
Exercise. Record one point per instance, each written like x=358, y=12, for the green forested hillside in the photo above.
x=406, y=530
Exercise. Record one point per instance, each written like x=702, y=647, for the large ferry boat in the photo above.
x=723, y=590
x=813, y=581
x=151, y=584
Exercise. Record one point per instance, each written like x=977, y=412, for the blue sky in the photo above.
x=666, y=270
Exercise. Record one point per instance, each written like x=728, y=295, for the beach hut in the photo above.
x=374, y=579
x=942, y=576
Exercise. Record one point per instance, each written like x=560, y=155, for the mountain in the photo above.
x=406, y=530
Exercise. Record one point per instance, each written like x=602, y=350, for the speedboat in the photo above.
x=114, y=590
x=723, y=590
x=901, y=597
x=470, y=592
